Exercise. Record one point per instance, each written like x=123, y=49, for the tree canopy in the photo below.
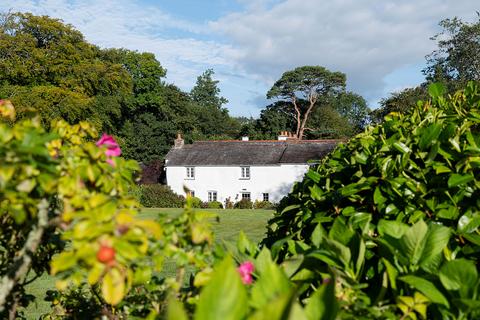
x=307, y=83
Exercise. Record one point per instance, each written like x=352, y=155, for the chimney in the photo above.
x=283, y=136
x=179, y=142
x=245, y=138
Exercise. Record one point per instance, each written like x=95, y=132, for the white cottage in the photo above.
x=241, y=169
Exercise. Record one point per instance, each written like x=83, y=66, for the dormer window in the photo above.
x=190, y=172
x=245, y=173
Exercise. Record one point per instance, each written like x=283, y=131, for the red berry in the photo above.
x=106, y=254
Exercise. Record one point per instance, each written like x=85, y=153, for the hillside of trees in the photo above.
x=48, y=66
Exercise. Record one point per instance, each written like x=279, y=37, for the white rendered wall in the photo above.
x=277, y=181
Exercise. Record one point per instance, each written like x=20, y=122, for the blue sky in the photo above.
x=380, y=45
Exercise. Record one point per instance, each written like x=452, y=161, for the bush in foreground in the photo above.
x=394, y=214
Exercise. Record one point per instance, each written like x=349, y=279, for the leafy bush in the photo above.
x=196, y=202
x=243, y=204
x=160, y=196
x=263, y=205
x=214, y=205
x=393, y=214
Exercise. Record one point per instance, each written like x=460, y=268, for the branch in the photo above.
x=22, y=263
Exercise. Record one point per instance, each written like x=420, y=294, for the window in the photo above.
x=212, y=196
x=265, y=197
x=245, y=172
x=191, y=193
x=246, y=196
x=190, y=172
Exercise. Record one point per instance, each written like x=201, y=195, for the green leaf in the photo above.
x=323, y=304
x=429, y=135
x=437, y=239
x=113, y=287
x=175, y=310
x=225, y=296
x=400, y=146
x=413, y=241
x=395, y=229
x=317, y=235
x=459, y=179
x=459, y=275
x=427, y=288
x=272, y=282
x=436, y=90
x=279, y=308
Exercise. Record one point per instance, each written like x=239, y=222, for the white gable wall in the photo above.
x=276, y=180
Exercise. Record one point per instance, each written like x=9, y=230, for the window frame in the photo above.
x=212, y=195
x=245, y=173
x=266, y=196
x=190, y=171
x=249, y=196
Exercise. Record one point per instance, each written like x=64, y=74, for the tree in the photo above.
x=308, y=83
x=49, y=66
x=399, y=102
x=206, y=92
x=353, y=108
x=213, y=121
x=457, y=58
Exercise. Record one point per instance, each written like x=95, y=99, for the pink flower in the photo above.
x=113, y=149
x=245, y=270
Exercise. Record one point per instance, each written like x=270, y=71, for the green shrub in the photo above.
x=394, y=215
x=214, y=205
x=160, y=196
x=243, y=204
x=263, y=205
x=196, y=202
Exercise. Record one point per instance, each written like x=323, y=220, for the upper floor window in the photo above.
x=212, y=196
x=190, y=172
x=265, y=197
x=245, y=173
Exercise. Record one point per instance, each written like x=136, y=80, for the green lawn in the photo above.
x=252, y=222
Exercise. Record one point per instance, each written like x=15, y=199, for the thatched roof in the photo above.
x=261, y=152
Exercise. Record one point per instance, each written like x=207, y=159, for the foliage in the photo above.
x=196, y=202
x=263, y=205
x=327, y=123
x=243, y=204
x=457, y=59
x=159, y=196
x=270, y=296
x=49, y=66
x=399, y=102
x=303, y=87
x=186, y=240
x=394, y=214
x=215, y=205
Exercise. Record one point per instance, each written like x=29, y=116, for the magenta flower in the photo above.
x=113, y=149
x=245, y=270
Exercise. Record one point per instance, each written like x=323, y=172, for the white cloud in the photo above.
x=365, y=39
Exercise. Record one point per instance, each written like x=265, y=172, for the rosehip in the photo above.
x=106, y=254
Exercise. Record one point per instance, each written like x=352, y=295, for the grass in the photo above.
x=252, y=222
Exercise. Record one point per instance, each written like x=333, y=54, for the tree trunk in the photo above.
x=298, y=116
x=22, y=263
x=301, y=130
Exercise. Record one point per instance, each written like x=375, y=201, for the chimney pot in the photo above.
x=179, y=142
